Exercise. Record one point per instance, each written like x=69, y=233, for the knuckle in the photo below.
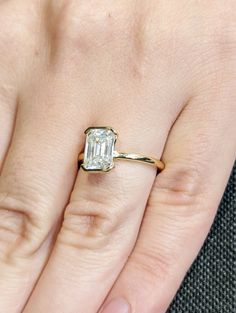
x=21, y=232
x=80, y=21
x=12, y=230
x=222, y=33
x=83, y=32
x=181, y=195
x=225, y=45
x=152, y=266
x=178, y=184
x=20, y=30
x=90, y=224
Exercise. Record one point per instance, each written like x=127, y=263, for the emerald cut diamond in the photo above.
x=99, y=149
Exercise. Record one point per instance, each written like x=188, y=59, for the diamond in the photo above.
x=99, y=148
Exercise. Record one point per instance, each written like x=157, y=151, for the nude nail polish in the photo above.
x=118, y=305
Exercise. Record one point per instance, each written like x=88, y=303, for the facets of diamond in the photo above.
x=99, y=149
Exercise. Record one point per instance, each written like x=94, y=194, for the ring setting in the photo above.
x=99, y=153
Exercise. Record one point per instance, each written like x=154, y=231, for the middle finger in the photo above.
x=35, y=183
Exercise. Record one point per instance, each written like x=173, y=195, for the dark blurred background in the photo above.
x=210, y=285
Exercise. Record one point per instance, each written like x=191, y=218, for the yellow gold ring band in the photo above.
x=134, y=157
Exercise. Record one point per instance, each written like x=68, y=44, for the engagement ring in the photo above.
x=99, y=154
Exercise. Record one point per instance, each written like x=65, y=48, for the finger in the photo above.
x=7, y=117
x=35, y=184
x=102, y=220
x=98, y=233
x=199, y=156
x=12, y=61
x=99, y=230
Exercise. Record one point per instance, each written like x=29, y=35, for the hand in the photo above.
x=160, y=72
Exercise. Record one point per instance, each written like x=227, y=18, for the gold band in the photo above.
x=134, y=157
x=139, y=158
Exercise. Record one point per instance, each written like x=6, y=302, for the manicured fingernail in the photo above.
x=118, y=305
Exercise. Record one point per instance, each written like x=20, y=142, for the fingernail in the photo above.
x=118, y=305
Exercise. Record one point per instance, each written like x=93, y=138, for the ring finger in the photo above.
x=100, y=228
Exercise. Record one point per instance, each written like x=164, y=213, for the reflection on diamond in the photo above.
x=99, y=149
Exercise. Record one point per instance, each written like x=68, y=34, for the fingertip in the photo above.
x=117, y=305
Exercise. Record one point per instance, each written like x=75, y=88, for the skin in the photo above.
x=163, y=74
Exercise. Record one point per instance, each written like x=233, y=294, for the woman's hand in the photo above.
x=160, y=72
